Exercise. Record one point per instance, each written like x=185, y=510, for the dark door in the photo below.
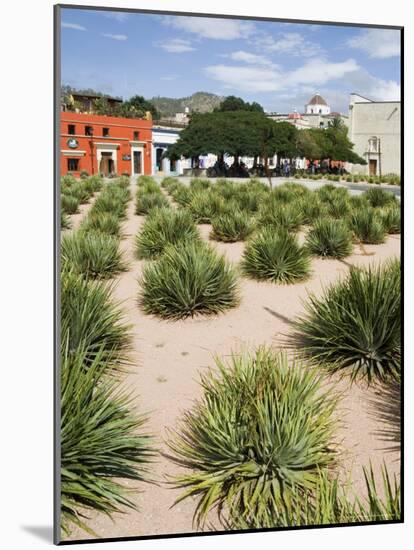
x=372, y=167
x=137, y=162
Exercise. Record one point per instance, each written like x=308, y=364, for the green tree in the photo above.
x=137, y=106
x=233, y=103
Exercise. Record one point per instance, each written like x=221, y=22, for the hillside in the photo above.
x=202, y=102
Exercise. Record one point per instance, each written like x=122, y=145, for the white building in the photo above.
x=162, y=137
x=374, y=128
x=317, y=106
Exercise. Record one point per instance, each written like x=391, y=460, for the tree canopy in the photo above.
x=233, y=103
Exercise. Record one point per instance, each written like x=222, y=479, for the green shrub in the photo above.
x=232, y=226
x=182, y=194
x=93, y=321
x=357, y=202
x=110, y=202
x=287, y=216
x=378, y=197
x=204, y=206
x=367, y=226
x=330, y=238
x=276, y=256
x=65, y=222
x=391, y=219
x=169, y=183
x=331, y=502
x=80, y=191
x=338, y=206
x=199, y=184
x=102, y=443
x=69, y=204
x=103, y=223
x=255, y=444
x=146, y=202
x=355, y=325
x=147, y=182
x=188, y=280
x=95, y=183
x=164, y=227
x=311, y=208
x=92, y=254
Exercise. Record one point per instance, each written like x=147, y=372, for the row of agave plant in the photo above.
x=259, y=448
x=103, y=439
x=74, y=193
x=189, y=277
x=390, y=179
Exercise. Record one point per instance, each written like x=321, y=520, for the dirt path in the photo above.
x=169, y=356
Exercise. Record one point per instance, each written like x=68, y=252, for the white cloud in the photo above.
x=175, y=45
x=119, y=16
x=386, y=90
x=250, y=58
x=207, y=27
x=379, y=43
x=74, y=26
x=272, y=79
x=120, y=37
x=318, y=71
x=246, y=79
x=289, y=43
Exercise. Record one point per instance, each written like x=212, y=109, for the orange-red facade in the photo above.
x=105, y=145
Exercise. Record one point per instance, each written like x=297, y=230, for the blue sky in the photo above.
x=280, y=65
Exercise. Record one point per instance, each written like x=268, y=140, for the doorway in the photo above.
x=158, y=158
x=372, y=167
x=137, y=162
x=106, y=164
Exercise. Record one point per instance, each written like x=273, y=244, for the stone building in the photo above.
x=375, y=129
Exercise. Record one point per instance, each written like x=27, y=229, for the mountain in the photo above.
x=202, y=102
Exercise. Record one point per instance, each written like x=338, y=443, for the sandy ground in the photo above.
x=169, y=357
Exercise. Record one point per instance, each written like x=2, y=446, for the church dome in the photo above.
x=317, y=100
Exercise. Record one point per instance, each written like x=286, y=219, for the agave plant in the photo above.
x=355, y=326
x=276, y=256
x=378, y=197
x=102, y=443
x=182, y=195
x=391, y=219
x=199, y=184
x=367, y=226
x=92, y=254
x=331, y=502
x=81, y=192
x=91, y=319
x=255, y=443
x=69, y=204
x=232, y=226
x=104, y=222
x=311, y=208
x=188, y=280
x=204, y=206
x=65, y=222
x=329, y=238
x=286, y=216
x=146, y=202
x=338, y=206
x=106, y=203
x=164, y=227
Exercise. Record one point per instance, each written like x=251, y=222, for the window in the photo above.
x=71, y=129
x=320, y=111
x=136, y=135
x=373, y=145
x=105, y=132
x=73, y=165
x=321, y=125
x=88, y=131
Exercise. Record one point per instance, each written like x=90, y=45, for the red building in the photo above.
x=104, y=145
